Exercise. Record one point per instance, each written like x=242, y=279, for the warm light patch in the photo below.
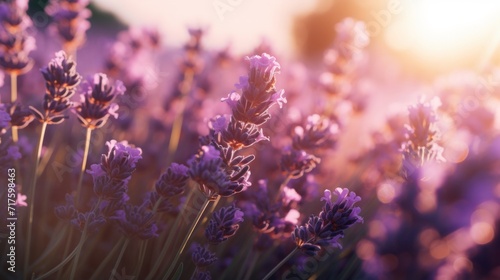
x=482, y=233
x=435, y=29
x=386, y=193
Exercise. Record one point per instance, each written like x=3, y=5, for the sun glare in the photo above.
x=444, y=28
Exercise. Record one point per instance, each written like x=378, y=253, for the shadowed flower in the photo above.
x=90, y=219
x=172, y=181
x=96, y=102
x=224, y=224
x=66, y=212
x=136, y=222
x=4, y=118
x=201, y=256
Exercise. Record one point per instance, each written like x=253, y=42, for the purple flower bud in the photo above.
x=136, y=222
x=297, y=162
x=201, y=256
x=4, y=118
x=92, y=220
x=224, y=224
x=172, y=182
x=66, y=212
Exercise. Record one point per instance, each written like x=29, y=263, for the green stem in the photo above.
x=84, y=164
x=79, y=250
x=107, y=259
x=250, y=268
x=65, y=261
x=142, y=255
x=280, y=264
x=32, y=198
x=187, y=237
x=124, y=247
x=166, y=246
x=66, y=249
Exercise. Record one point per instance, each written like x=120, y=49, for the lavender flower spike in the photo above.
x=136, y=222
x=172, y=182
x=327, y=228
x=96, y=102
x=224, y=224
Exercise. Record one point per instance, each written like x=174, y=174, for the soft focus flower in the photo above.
x=201, y=256
x=136, y=222
x=297, y=162
x=21, y=200
x=90, y=220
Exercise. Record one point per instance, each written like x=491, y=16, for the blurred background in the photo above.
x=461, y=34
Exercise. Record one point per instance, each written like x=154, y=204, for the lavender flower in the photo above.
x=8, y=153
x=70, y=20
x=96, y=102
x=319, y=132
x=119, y=163
x=61, y=80
x=329, y=226
x=15, y=43
x=201, y=256
x=172, y=182
x=297, y=162
x=208, y=170
x=4, y=118
x=258, y=91
x=136, y=222
x=20, y=116
x=224, y=224
x=421, y=145
x=90, y=219
x=66, y=212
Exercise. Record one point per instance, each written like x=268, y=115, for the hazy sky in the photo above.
x=242, y=22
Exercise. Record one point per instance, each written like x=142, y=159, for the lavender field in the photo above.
x=335, y=140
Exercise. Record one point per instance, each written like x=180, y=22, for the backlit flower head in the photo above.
x=96, y=102
x=172, y=181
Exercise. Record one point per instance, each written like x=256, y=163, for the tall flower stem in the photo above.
x=65, y=261
x=175, y=135
x=166, y=246
x=101, y=266
x=280, y=264
x=84, y=163
x=78, y=251
x=187, y=237
x=32, y=197
x=118, y=260
x=142, y=255
x=13, y=98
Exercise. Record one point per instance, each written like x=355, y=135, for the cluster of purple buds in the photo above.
x=112, y=175
x=224, y=224
x=327, y=228
x=318, y=133
x=136, y=222
x=351, y=39
x=8, y=153
x=70, y=21
x=61, y=80
x=202, y=258
x=215, y=177
x=422, y=134
x=97, y=102
x=15, y=42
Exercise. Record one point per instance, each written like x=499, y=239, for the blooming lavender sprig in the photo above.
x=208, y=170
x=118, y=164
x=69, y=19
x=15, y=42
x=96, y=103
x=258, y=89
x=329, y=226
x=61, y=80
x=224, y=224
x=172, y=181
